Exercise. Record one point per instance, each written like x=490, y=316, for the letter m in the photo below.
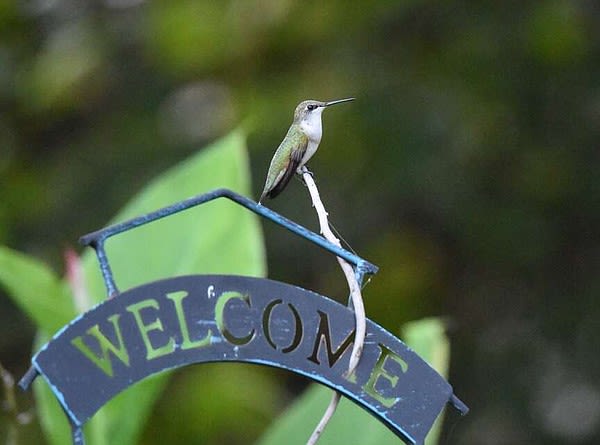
x=105, y=346
x=324, y=336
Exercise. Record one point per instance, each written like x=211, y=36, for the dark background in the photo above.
x=467, y=168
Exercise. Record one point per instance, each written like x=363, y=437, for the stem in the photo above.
x=10, y=405
x=333, y=403
x=355, y=297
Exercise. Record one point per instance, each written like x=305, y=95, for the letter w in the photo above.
x=103, y=359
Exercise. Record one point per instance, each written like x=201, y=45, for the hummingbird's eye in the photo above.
x=311, y=107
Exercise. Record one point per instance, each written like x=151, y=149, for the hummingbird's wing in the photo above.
x=275, y=186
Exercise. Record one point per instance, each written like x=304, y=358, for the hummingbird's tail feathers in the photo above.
x=262, y=196
x=278, y=188
x=286, y=176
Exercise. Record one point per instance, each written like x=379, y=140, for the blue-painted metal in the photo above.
x=248, y=320
x=422, y=394
x=96, y=239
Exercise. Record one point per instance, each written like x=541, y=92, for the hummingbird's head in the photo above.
x=308, y=116
x=308, y=110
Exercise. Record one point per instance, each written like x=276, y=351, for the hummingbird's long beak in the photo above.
x=339, y=101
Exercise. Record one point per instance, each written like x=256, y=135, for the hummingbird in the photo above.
x=298, y=146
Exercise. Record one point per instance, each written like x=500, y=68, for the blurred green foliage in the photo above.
x=217, y=238
x=466, y=169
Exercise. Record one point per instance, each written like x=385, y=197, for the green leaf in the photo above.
x=350, y=423
x=35, y=289
x=218, y=237
x=428, y=338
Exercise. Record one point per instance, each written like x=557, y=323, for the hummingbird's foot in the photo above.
x=304, y=169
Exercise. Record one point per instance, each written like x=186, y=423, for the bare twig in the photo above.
x=355, y=296
x=9, y=404
x=8, y=382
x=327, y=415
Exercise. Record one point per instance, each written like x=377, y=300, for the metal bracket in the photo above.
x=97, y=239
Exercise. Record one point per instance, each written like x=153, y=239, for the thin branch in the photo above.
x=327, y=415
x=355, y=297
x=9, y=404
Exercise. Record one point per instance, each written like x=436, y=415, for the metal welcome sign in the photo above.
x=219, y=318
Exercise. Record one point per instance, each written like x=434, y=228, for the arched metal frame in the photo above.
x=97, y=239
x=424, y=376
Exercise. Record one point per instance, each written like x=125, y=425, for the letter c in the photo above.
x=222, y=301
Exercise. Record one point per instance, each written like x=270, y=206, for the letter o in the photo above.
x=297, y=326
